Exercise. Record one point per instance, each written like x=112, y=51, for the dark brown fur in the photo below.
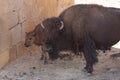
x=86, y=28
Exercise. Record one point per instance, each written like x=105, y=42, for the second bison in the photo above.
x=83, y=28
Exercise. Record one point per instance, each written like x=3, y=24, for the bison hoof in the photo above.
x=45, y=62
x=84, y=70
x=88, y=70
x=86, y=73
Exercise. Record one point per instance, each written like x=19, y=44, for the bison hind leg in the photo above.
x=90, y=54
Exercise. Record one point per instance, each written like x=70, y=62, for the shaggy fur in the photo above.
x=86, y=28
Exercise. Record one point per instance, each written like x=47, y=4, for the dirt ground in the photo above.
x=29, y=67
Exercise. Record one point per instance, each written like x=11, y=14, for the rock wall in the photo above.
x=20, y=16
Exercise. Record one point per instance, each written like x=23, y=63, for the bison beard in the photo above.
x=87, y=28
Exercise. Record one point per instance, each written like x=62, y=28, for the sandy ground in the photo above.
x=29, y=67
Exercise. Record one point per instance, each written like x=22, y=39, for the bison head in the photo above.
x=52, y=28
x=29, y=39
x=35, y=37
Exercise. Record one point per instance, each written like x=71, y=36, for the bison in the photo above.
x=84, y=28
x=37, y=37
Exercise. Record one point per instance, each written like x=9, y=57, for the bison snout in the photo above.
x=26, y=45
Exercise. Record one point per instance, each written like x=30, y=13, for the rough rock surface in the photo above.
x=30, y=67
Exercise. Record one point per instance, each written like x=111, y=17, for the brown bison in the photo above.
x=37, y=37
x=85, y=28
x=34, y=37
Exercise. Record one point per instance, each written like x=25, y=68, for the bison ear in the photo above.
x=62, y=25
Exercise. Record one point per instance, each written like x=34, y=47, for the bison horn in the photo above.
x=42, y=26
x=62, y=25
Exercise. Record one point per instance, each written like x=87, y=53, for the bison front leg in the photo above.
x=46, y=58
x=90, y=55
x=45, y=55
x=48, y=55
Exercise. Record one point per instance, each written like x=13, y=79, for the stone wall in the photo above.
x=20, y=16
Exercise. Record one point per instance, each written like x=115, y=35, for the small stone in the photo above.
x=33, y=67
x=24, y=73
